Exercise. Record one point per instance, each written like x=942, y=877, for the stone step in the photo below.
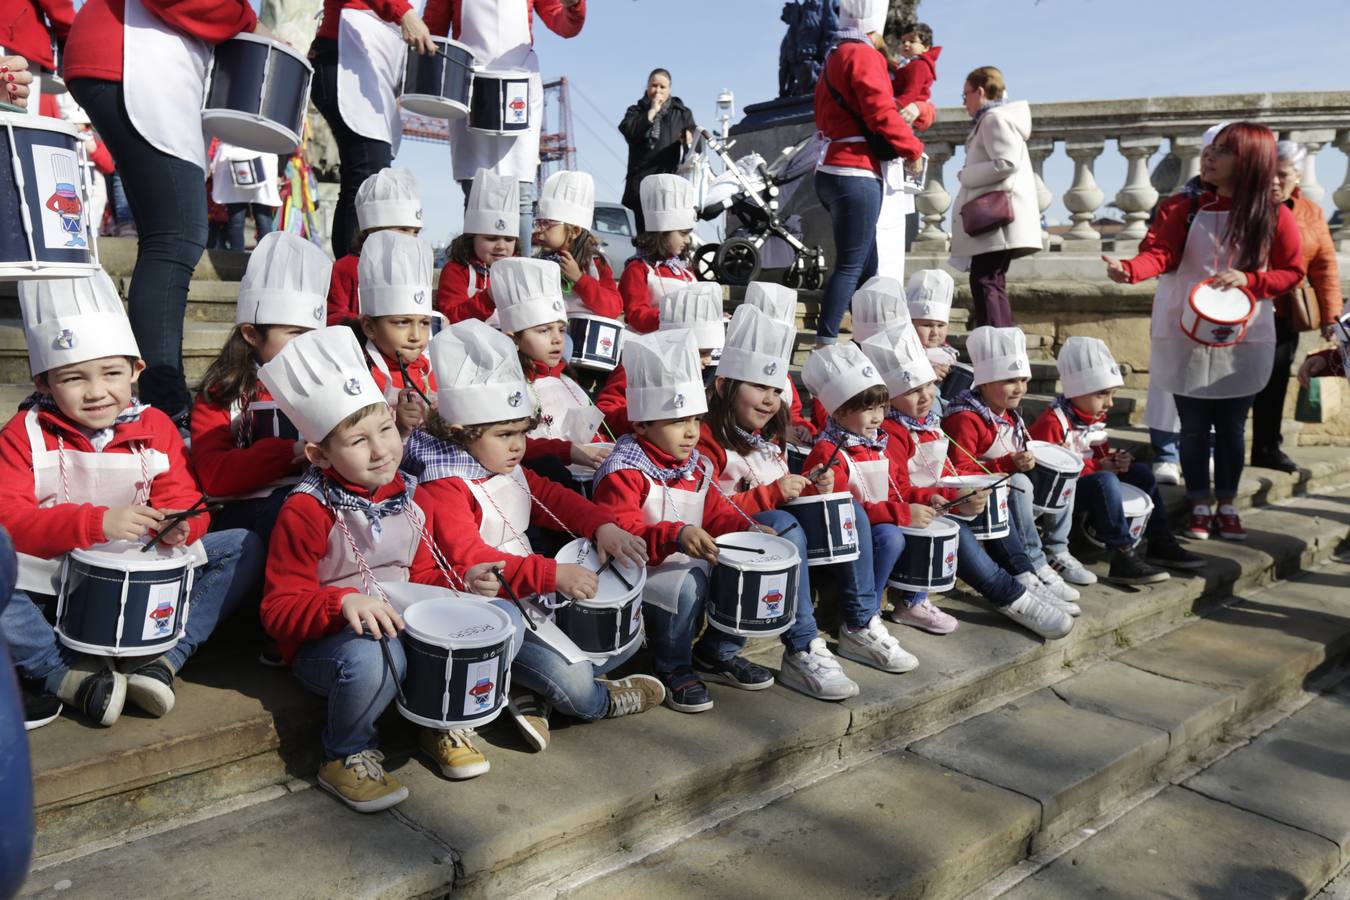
x=208, y=300
x=528, y=819
x=201, y=344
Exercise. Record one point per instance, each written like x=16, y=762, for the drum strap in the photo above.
x=368, y=576
x=142, y=493
x=754, y=526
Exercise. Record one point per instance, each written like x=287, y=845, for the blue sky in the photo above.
x=1049, y=50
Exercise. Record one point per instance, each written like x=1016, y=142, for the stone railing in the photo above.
x=1138, y=128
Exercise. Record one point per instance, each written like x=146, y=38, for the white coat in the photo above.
x=997, y=160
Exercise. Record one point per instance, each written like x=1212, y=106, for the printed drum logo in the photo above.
x=606, y=344
x=773, y=602
x=481, y=692
x=162, y=617
x=517, y=107
x=1222, y=332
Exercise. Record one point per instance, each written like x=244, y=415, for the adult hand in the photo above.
x=657, y=103
x=1115, y=270
x=366, y=613
x=128, y=523
x=792, y=486
x=14, y=72
x=1312, y=367
x=624, y=546
x=416, y=34
x=1229, y=278
x=698, y=543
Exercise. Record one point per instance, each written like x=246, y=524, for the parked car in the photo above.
x=616, y=227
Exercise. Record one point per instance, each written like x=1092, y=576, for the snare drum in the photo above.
x=827, y=520
x=459, y=661
x=752, y=590
x=500, y=101
x=585, y=475
x=796, y=457
x=257, y=91
x=1055, y=477
x=959, y=379
x=267, y=421
x=1137, y=506
x=115, y=600
x=928, y=562
x=44, y=194
x=247, y=172
x=1217, y=317
x=611, y=622
x=438, y=86
x=994, y=522
x=596, y=341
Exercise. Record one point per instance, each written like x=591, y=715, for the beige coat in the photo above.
x=997, y=159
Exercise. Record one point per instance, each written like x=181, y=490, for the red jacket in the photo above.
x=419, y=370
x=598, y=292
x=452, y=507
x=343, y=298
x=23, y=33
x=225, y=470
x=1048, y=428
x=900, y=447
x=894, y=510
x=857, y=71
x=1160, y=250
x=442, y=17
x=94, y=48
x=297, y=609
x=640, y=312
x=754, y=500
x=58, y=529
x=967, y=430
x=613, y=402
x=622, y=493
x=795, y=416
x=389, y=10
x=452, y=294
x=913, y=82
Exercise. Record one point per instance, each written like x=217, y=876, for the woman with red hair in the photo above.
x=1234, y=236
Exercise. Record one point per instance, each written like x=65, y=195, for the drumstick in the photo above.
x=203, y=505
x=618, y=573
x=408, y=382
x=821, y=470
x=441, y=53
x=787, y=529
x=740, y=548
x=506, y=586
x=389, y=663
x=948, y=504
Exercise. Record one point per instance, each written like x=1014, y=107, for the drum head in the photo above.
x=618, y=582
x=938, y=528
x=754, y=551
x=1228, y=306
x=1133, y=501
x=457, y=621
x=1056, y=457
x=971, y=482
x=128, y=555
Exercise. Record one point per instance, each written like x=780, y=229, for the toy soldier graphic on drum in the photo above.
x=65, y=200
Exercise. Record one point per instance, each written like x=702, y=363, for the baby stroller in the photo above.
x=753, y=192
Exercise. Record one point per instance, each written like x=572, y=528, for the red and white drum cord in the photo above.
x=754, y=526
x=142, y=490
x=523, y=540
x=367, y=575
x=972, y=456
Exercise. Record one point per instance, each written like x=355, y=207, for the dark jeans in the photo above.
x=1268, y=409
x=989, y=289
x=168, y=202
x=359, y=156
x=853, y=204
x=16, y=782
x=234, y=230
x=117, y=196
x=1099, y=497
x=1228, y=420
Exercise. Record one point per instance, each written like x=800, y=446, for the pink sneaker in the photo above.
x=926, y=617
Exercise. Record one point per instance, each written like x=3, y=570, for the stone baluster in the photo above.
x=1341, y=196
x=934, y=201
x=1039, y=149
x=1313, y=142
x=1083, y=197
x=1137, y=197
x=1186, y=148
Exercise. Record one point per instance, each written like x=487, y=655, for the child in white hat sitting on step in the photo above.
x=779, y=302
x=350, y=524
x=657, y=485
x=562, y=229
x=1077, y=420
x=929, y=298
x=244, y=450
x=491, y=232
x=661, y=265
x=387, y=200
x=483, y=504
x=83, y=465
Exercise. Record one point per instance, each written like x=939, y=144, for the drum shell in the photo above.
x=1052, y=486
x=754, y=599
x=994, y=523
x=459, y=680
x=828, y=522
x=495, y=105
x=256, y=95
x=92, y=618
x=1137, y=506
x=271, y=423
x=596, y=342
x=1210, y=330
x=929, y=560
x=437, y=87
x=960, y=378
x=602, y=630
x=33, y=142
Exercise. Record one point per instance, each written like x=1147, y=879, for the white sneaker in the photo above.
x=1064, y=595
x=1044, y=592
x=816, y=673
x=874, y=645
x=1035, y=614
x=1071, y=570
x=1167, y=473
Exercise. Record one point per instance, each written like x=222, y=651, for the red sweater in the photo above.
x=598, y=292
x=224, y=470
x=295, y=607
x=894, y=510
x=22, y=31
x=58, y=529
x=622, y=493
x=455, y=507
x=858, y=72
x=1048, y=428
x=900, y=447
x=443, y=17
x=1161, y=249
x=640, y=312
x=343, y=298
x=419, y=370
x=756, y=499
x=94, y=48
x=913, y=82
x=613, y=402
x=976, y=435
x=452, y=294
x=389, y=10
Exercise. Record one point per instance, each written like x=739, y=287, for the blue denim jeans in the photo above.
x=977, y=568
x=572, y=688
x=238, y=212
x=1099, y=499
x=117, y=196
x=234, y=566
x=1056, y=527
x=853, y=204
x=671, y=635
x=888, y=542
x=1227, y=418
x=16, y=780
x=1166, y=445
x=1022, y=518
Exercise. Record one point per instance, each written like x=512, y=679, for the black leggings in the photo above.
x=1268, y=410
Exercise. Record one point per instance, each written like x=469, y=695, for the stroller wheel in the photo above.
x=792, y=276
x=814, y=279
x=737, y=261
x=705, y=262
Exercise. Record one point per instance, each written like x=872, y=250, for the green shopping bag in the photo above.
x=1308, y=407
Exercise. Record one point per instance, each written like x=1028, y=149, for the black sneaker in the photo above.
x=270, y=655
x=99, y=694
x=684, y=692
x=151, y=687
x=39, y=708
x=1127, y=568
x=1168, y=552
x=738, y=672
x=1274, y=459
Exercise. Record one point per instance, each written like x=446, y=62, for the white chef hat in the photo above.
x=837, y=373
x=1087, y=366
x=482, y=380
x=878, y=304
x=864, y=15
x=778, y=301
x=394, y=276
x=285, y=283
x=74, y=320
x=494, y=205
x=998, y=354
x=929, y=295
x=698, y=307
x=568, y=197
x=528, y=292
x=665, y=376
x=900, y=358
x=389, y=199
x=758, y=348
x=320, y=378
x=667, y=203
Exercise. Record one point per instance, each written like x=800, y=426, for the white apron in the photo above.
x=868, y=480
x=498, y=33
x=554, y=395
x=925, y=466
x=371, y=61
x=1179, y=365
x=164, y=80
x=389, y=558
x=896, y=204
x=661, y=286
x=223, y=188
x=742, y=473
x=1082, y=441
x=1006, y=440
x=666, y=505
